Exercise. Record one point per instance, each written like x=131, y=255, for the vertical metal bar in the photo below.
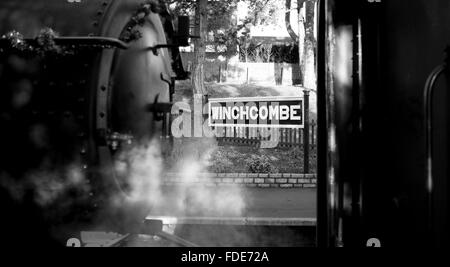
x=306, y=132
x=428, y=110
x=323, y=217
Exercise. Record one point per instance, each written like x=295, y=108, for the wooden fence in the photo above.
x=254, y=137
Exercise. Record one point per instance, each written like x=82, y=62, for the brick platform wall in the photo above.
x=279, y=180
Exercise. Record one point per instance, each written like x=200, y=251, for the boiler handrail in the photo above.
x=428, y=111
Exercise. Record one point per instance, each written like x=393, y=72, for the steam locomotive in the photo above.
x=78, y=80
x=81, y=78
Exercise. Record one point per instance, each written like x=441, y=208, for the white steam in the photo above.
x=143, y=167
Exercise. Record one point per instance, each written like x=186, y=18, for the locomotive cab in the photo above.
x=383, y=119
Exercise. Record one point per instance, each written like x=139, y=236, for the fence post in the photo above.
x=306, y=132
x=248, y=75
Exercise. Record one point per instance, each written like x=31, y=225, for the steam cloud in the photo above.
x=143, y=167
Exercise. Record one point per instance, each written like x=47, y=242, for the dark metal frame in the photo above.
x=428, y=111
x=323, y=220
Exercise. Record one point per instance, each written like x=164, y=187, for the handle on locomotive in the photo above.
x=428, y=111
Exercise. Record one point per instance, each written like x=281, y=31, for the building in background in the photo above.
x=266, y=54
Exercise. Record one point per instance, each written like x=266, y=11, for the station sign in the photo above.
x=257, y=112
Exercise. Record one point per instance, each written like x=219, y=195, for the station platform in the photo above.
x=271, y=218
x=263, y=207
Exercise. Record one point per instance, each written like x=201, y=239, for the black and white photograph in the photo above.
x=237, y=124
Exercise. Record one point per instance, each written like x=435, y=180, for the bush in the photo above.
x=220, y=163
x=260, y=164
x=296, y=153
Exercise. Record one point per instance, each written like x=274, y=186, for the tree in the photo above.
x=217, y=17
x=307, y=43
x=204, y=10
x=309, y=59
x=201, y=22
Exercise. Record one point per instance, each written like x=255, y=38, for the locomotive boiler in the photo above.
x=383, y=115
x=78, y=80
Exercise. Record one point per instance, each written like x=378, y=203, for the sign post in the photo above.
x=306, y=142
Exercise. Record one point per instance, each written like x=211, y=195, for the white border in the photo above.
x=257, y=99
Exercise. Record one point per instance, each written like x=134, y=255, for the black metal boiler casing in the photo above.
x=376, y=61
x=71, y=95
